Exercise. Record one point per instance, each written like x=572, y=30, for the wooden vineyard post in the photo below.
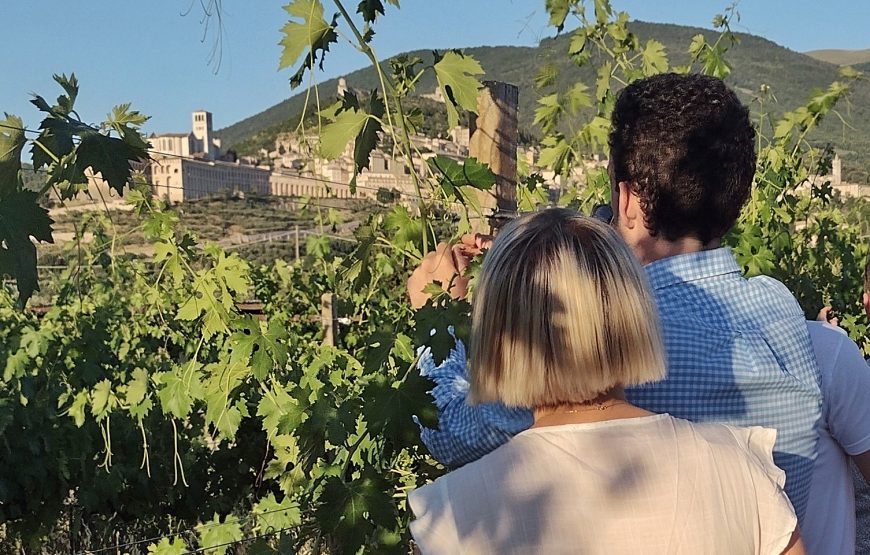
x=328, y=318
x=296, y=240
x=494, y=138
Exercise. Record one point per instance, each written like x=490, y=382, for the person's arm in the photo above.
x=827, y=315
x=795, y=546
x=446, y=265
x=862, y=461
x=465, y=432
x=845, y=379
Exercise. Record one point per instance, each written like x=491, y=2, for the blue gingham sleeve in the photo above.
x=465, y=432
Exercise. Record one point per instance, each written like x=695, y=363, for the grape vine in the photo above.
x=146, y=403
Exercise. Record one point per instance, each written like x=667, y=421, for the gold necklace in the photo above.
x=595, y=406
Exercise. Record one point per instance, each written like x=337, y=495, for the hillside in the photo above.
x=756, y=61
x=841, y=57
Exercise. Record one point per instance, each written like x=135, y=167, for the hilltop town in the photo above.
x=187, y=166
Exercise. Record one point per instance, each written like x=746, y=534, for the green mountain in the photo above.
x=790, y=75
x=841, y=57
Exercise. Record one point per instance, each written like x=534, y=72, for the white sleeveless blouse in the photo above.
x=655, y=484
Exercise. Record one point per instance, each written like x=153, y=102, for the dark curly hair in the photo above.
x=686, y=147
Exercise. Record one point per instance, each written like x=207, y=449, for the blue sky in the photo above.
x=152, y=55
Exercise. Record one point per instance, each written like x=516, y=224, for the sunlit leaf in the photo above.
x=457, y=77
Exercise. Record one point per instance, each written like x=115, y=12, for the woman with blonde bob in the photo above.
x=563, y=320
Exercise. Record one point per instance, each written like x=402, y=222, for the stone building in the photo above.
x=198, y=143
x=187, y=166
x=296, y=185
x=176, y=179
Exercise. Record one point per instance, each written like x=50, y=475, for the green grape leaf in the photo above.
x=352, y=509
x=11, y=144
x=555, y=154
x=403, y=348
x=169, y=254
x=432, y=321
x=308, y=38
x=264, y=350
x=578, y=98
x=217, y=533
x=367, y=139
x=405, y=229
x=70, y=179
x=137, y=387
x=166, y=546
x=602, y=11
x=281, y=414
x=785, y=126
x=546, y=76
x=272, y=516
x=202, y=302
x=328, y=420
x=595, y=133
x=103, y=399
x=654, y=58
x=70, y=86
x=715, y=63
x=77, y=408
x=391, y=405
x=285, y=466
x=56, y=136
x=121, y=115
x=317, y=246
x=21, y=218
x=370, y=10
x=548, y=112
x=225, y=418
x=378, y=348
x=126, y=122
x=457, y=77
x=110, y=157
x=602, y=83
x=335, y=136
x=698, y=45
x=558, y=10
x=578, y=42
x=180, y=388
x=224, y=415
x=454, y=175
x=232, y=272
x=756, y=258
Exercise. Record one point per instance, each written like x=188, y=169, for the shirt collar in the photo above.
x=690, y=267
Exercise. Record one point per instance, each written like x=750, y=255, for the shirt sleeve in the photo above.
x=433, y=528
x=776, y=516
x=465, y=432
x=845, y=389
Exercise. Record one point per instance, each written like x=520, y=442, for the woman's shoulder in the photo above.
x=728, y=444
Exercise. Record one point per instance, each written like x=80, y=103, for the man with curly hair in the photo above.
x=739, y=351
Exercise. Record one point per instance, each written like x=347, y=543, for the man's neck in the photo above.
x=656, y=248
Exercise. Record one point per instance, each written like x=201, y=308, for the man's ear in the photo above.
x=629, y=207
x=867, y=303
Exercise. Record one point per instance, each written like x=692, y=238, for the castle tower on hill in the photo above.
x=342, y=86
x=203, y=135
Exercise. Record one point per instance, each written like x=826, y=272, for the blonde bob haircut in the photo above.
x=562, y=314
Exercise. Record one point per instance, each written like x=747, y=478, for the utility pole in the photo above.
x=494, y=139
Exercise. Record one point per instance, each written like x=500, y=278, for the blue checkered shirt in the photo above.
x=738, y=352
